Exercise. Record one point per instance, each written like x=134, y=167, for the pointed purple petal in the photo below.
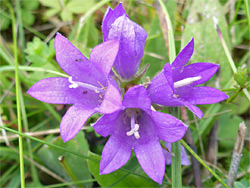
x=184, y=158
x=73, y=121
x=103, y=56
x=151, y=158
x=183, y=57
x=137, y=97
x=109, y=19
x=132, y=39
x=162, y=87
x=68, y=56
x=115, y=154
x=169, y=128
x=57, y=91
x=194, y=109
x=105, y=125
x=205, y=70
x=200, y=95
x=112, y=101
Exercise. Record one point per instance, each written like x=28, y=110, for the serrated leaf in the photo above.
x=114, y=178
x=208, y=47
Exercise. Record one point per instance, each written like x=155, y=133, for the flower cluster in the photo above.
x=128, y=116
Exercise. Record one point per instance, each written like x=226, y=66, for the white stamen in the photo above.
x=73, y=84
x=186, y=81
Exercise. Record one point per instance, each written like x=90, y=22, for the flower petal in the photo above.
x=106, y=124
x=75, y=64
x=110, y=17
x=161, y=87
x=169, y=128
x=114, y=155
x=183, y=57
x=151, y=158
x=73, y=121
x=184, y=158
x=205, y=70
x=68, y=56
x=132, y=39
x=194, y=109
x=200, y=95
x=137, y=97
x=57, y=91
x=104, y=55
x=112, y=101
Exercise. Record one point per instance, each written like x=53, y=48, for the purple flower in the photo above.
x=168, y=157
x=137, y=127
x=176, y=84
x=88, y=88
x=132, y=37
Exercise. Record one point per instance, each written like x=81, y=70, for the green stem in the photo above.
x=20, y=28
x=203, y=163
x=229, y=57
x=36, y=69
x=248, y=13
x=18, y=98
x=176, y=147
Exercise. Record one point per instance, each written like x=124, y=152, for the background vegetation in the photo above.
x=48, y=162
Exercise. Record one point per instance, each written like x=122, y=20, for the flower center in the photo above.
x=186, y=81
x=75, y=84
x=134, y=126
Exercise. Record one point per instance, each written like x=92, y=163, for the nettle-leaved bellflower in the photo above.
x=88, y=88
x=177, y=84
x=137, y=127
x=117, y=25
x=168, y=157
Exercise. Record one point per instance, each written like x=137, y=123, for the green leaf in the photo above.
x=79, y=6
x=4, y=23
x=66, y=15
x=228, y=130
x=30, y=5
x=117, y=178
x=208, y=47
x=51, y=12
x=52, y=4
x=78, y=166
x=39, y=53
x=28, y=17
x=241, y=77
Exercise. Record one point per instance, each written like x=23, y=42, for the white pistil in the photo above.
x=134, y=131
x=186, y=81
x=134, y=127
x=75, y=84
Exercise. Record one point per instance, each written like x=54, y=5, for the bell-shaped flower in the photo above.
x=117, y=25
x=137, y=127
x=177, y=84
x=88, y=88
x=168, y=157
